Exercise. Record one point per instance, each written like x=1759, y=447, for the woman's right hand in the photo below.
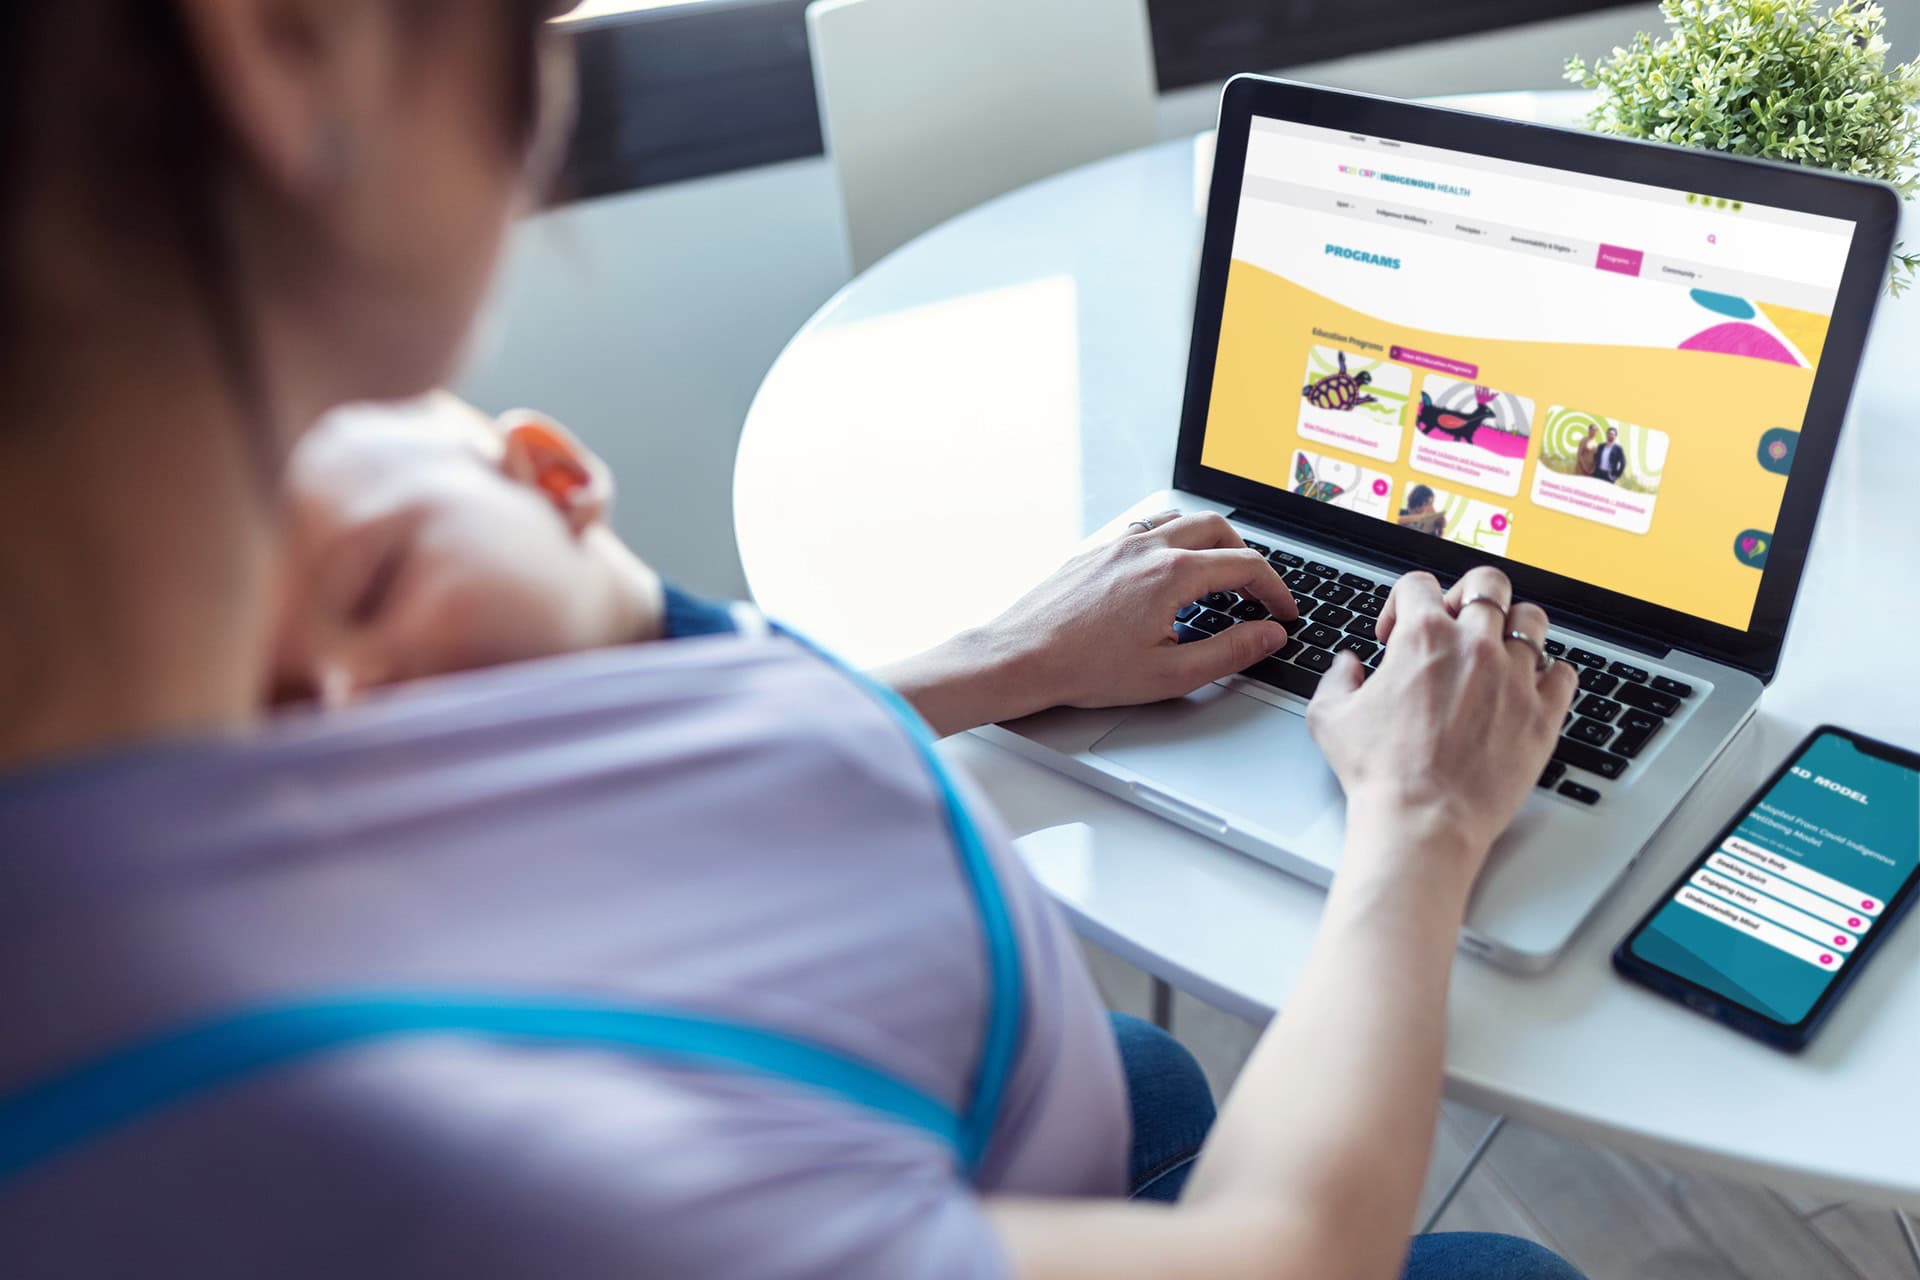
x=1446, y=739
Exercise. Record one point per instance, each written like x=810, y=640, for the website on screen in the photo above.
x=1598, y=378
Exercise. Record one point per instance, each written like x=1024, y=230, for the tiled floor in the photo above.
x=1614, y=1216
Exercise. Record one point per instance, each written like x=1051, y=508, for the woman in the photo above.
x=484, y=978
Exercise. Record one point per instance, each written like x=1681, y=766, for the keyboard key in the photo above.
x=1290, y=649
x=1261, y=547
x=1323, y=569
x=1190, y=612
x=1333, y=592
x=1373, y=663
x=1645, y=699
x=1626, y=672
x=1184, y=634
x=1212, y=623
x=1633, y=739
x=1596, y=681
x=1592, y=759
x=1586, y=658
x=1300, y=582
x=1320, y=636
x=1221, y=600
x=1333, y=615
x=1591, y=732
x=1383, y=589
x=1363, y=627
x=1284, y=560
x=1249, y=611
x=1555, y=648
x=1357, y=582
x=1552, y=774
x=1640, y=722
x=1363, y=649
x=1674, y=687
x=1370, y=606
x=1315, y=659
x=1574, y=791
x=1595, y=707
x=1284, y=675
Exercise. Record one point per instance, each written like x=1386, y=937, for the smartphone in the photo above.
x=1767, y=928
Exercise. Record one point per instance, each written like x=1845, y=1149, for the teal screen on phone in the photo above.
x=1772, y=916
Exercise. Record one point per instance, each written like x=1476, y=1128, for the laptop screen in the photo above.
x=1598, y=378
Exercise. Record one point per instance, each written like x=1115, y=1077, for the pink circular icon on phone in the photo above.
x=1839, y=940
x=1499, y=524
x=1826, y=959
x=1853, y=922
x=1380, y=488
x=1866, y=904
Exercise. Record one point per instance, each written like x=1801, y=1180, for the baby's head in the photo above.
x=428, y=538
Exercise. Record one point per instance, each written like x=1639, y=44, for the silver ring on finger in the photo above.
x=1481, y=597
x=1540, y=659
x=1144, y=526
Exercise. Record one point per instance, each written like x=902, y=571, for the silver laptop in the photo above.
x=1428, y=339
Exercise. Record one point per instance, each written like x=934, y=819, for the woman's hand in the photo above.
x=1099, y=632
x=1449, y=736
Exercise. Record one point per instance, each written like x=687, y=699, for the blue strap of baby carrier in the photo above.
x=118, y=1088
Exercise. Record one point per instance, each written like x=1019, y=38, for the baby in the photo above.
x=428, y=538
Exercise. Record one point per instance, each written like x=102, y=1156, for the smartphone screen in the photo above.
x=1796, y=890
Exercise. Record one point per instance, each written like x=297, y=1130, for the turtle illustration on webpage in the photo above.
x=1339, y=391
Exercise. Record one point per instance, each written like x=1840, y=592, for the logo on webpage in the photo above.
x=1400, y=179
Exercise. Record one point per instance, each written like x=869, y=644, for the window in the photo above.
x=679, y=89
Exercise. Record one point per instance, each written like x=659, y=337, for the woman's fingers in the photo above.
x=1416, y=593
x=1154, y=524
x=1342, y=681
x=1482, y=600
x=1239, y=569
x=1559, y=685
x=1529, y=620
x=1200, y=531
x=1235, y=649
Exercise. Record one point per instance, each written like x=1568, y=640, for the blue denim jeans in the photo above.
x=1172, y=1108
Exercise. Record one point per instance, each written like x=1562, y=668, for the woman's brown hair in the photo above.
x=157, y=150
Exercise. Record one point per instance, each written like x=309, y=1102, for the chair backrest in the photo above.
x=931, y=107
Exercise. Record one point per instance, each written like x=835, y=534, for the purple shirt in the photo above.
x=724, y=826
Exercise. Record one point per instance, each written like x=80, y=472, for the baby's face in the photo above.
x=413, y=550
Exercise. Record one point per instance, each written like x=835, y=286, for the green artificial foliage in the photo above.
x=1789, y=80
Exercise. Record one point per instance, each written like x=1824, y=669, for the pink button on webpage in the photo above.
x=1613, y=258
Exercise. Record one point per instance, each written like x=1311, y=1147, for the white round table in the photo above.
x=949, y=427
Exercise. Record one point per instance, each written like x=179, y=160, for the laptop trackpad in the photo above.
x=1241, y=757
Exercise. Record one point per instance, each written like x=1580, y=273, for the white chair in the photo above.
x=930, y=107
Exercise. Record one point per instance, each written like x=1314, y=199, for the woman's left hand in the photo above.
x=1099, y=632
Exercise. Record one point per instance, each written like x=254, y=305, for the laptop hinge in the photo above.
x=1569, y=619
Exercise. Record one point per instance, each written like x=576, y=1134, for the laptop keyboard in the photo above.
x=1621, y=709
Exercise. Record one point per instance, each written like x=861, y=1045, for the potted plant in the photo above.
x=1790, y=80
